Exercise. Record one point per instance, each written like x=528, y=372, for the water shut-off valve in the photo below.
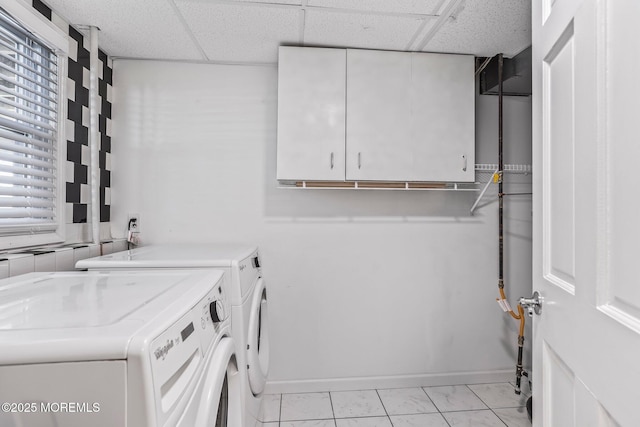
x=533, y=304
x=133, y=230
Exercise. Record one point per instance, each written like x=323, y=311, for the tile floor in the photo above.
x=476, y=405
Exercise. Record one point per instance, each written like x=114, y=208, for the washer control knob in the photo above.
x=216, y=309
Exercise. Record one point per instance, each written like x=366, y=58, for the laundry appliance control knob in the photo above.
x=217, y=311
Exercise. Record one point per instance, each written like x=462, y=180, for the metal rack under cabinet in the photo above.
x=481, y=169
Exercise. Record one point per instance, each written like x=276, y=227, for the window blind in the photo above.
x=28, y=131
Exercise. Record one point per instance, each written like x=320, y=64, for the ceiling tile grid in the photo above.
x=386, y=32
x=422, y=7
x=132, y=28
x=486, y=28
x=238, y=32
x=251, y=30
x=276, y=2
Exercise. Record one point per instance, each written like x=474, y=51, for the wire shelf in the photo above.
x=411, y=186
x=488, y=167
x=382, y=185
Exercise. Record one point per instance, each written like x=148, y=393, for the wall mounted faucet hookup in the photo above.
x=133, y=229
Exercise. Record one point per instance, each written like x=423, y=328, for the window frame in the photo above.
x=52, y=36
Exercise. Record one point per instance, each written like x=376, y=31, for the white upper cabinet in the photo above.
x=443, y=118
x=379, y=141
x=311, y=114
x=410, y=117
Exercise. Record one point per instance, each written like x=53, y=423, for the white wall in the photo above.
x=362, y=283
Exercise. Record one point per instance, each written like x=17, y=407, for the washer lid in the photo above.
x=74, y=301
x=181, y=255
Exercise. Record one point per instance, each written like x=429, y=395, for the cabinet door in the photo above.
x=443, y=118
x=379, y=115
x=311, y=114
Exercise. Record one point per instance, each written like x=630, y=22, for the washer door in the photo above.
x=258, y=339
x=220, y=400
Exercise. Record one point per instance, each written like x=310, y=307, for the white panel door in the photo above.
x=442, y=118
x=311, y=113
x=378, y=115
x=586, y=231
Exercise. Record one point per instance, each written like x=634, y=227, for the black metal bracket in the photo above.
x=516, y=75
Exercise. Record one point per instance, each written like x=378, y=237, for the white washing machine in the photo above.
x=110, y=349
x=247, y=293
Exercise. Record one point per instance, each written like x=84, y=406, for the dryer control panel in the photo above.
x=211, y=314
x=177, y=355
x=250, y=270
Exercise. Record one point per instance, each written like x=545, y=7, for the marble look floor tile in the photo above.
x=499, y=395
x=309, y=423
x=404, y=401
x=454, y=398
x=484, y=418
x=305, y=406
x=418, y=420
x=350, y=404
x=364, y=422
x=261, y=424
x=514, y=417
x=270, y=409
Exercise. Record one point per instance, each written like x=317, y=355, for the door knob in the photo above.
x=533, y=304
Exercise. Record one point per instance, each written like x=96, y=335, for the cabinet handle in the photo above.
x=331, y=160
x=464, y=163
x=359, y=160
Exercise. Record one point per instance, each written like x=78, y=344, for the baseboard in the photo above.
x=399, y=381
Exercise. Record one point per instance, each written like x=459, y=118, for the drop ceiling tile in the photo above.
x=425, y=7
x=340, y=29
x=241, y=32
x=277, y=2
x=486, y=28
x=135, y=29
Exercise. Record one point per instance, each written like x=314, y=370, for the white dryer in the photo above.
x=247, y=292
x=110, y=349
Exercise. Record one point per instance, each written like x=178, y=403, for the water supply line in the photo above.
x=498, y=178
